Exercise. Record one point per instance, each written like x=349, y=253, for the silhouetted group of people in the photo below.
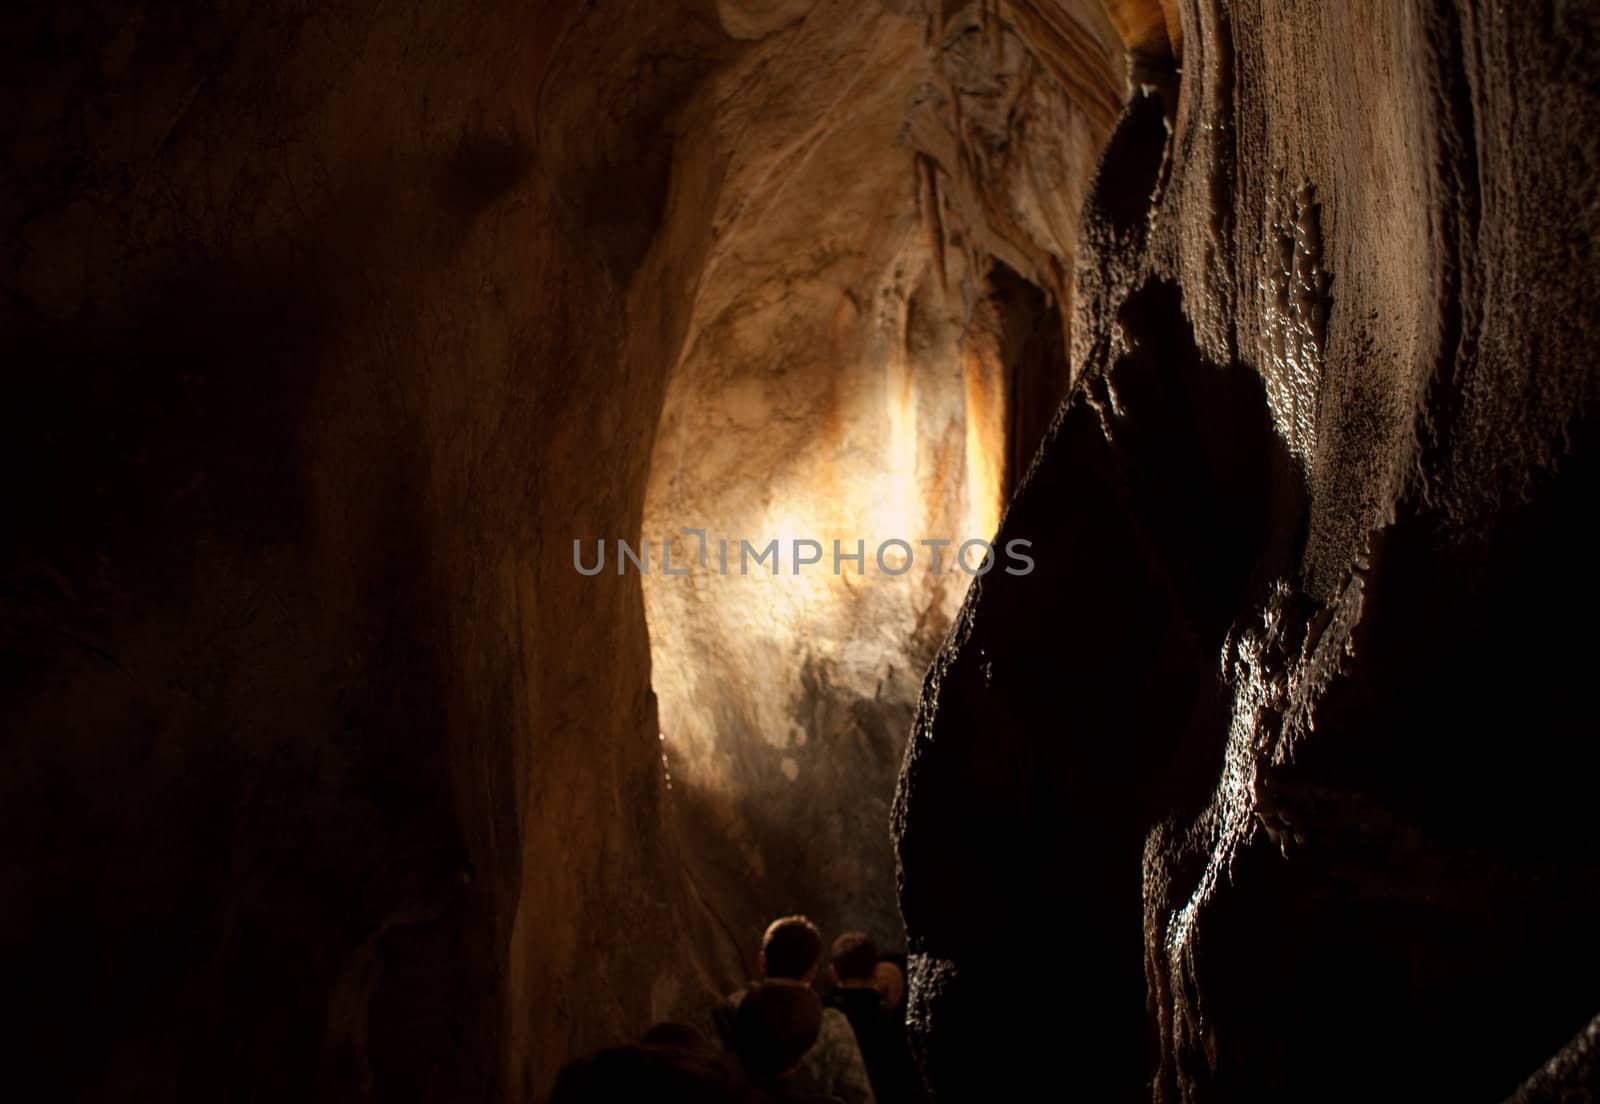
x=779, y=1040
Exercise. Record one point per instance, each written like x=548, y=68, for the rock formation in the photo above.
x=1290, y=691
x=332, y=328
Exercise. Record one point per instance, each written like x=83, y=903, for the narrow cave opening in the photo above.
x=861, y=378
x=872, y=351
x=860, y=422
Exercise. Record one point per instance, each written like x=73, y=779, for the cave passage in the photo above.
x=370, y=364
x=844, y=414
x=854, y=369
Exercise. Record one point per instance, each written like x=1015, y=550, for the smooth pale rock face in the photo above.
x=876, y=345
x=1279, y=760
x=845, y=378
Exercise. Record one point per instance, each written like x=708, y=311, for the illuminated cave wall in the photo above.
x=331, y=328
x=858, y=368
x=829, y=396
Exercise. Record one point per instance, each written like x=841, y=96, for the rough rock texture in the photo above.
x=1279, y=762
x=862, y=363
x=331, y=327
x=1571, y=1076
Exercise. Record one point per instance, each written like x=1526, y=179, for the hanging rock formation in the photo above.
x=1270, y=783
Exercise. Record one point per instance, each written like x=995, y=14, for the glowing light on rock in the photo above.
x=984, y=383
x=831, y=400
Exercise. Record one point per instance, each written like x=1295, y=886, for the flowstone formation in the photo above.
x=1278, y=755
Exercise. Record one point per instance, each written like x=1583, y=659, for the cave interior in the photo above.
x=343, y=337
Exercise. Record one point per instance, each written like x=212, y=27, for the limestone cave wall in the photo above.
x=1278, y=759
x=324, y=780
x=865, y=362
x=331, y=327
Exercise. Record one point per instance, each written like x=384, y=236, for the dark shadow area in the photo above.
x=1076, y=705
x=1033, y=350
x=1449, y=869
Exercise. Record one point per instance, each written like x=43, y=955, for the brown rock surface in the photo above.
x=325, y=781
x=1295, y=659
x=332, y=326
x=857, y=368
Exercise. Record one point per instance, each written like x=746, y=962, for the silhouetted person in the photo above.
x=775, y=1028
x=889, y=979
x=879, y=1028
x=791, y=949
